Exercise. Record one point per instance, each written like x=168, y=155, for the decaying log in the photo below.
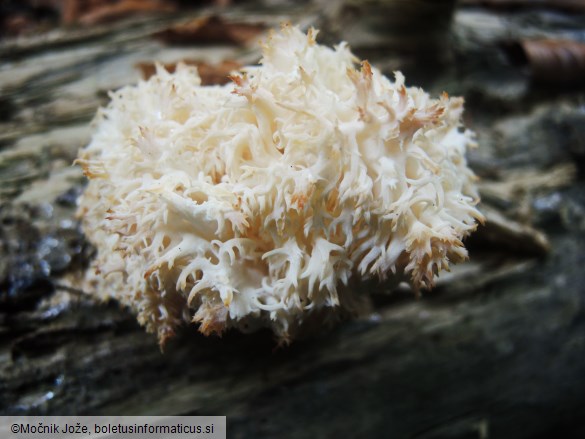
x=495, y=350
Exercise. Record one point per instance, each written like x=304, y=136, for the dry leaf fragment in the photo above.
x=553, y=61
x=211, y=74
x=211, y=29
x=556, y=60
x=122, y=9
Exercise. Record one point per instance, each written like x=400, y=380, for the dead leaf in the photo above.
x=211, y=74
x=555, y=60
x=211, y=29
x=122, y=9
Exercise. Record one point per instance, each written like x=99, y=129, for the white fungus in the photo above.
x=260, y=203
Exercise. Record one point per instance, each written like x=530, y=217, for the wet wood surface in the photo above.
x=496, y=350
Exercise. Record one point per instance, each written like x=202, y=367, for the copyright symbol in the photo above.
x=14, y=428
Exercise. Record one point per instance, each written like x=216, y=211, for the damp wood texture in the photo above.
x=496, y=349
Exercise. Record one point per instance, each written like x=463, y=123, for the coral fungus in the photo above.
x=259, y=202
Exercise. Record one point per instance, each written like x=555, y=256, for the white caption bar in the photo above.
x=112, y=427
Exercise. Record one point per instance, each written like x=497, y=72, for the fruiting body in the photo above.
x=256, y=203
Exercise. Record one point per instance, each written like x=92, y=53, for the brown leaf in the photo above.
x=559, y=61
x=122, y=9
x=211, y=29
x=211, y=74
x=70, y=11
